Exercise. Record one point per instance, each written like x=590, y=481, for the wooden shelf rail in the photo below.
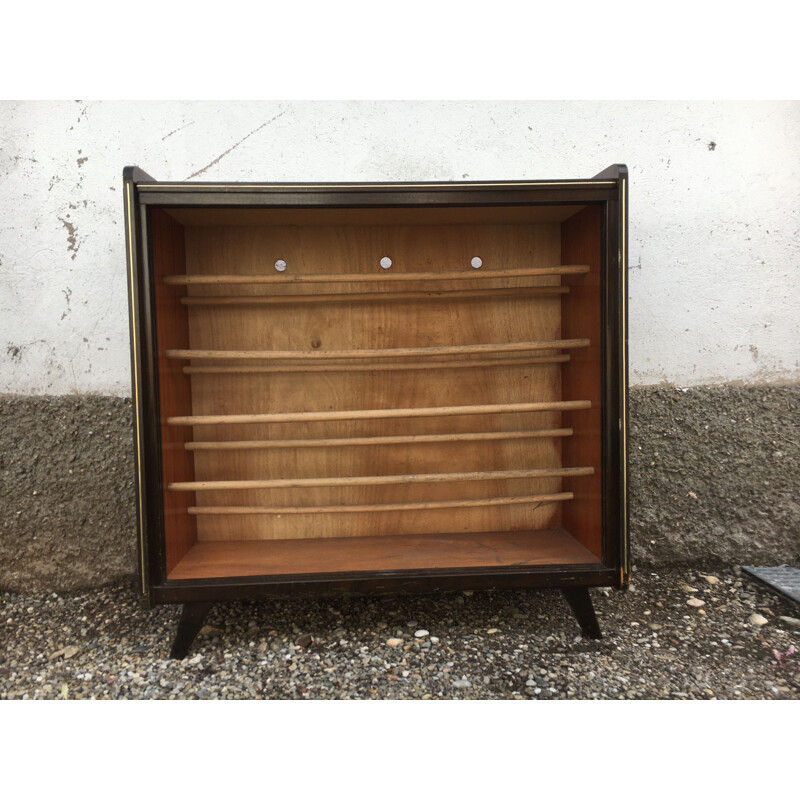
x=539, y=499
x=423, y=438
x=395, y=367
x=399, y=352
x=380, y=480
x=382, y=276
x=380, y=413
x=369, y=297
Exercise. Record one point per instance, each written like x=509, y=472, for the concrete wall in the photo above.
x=714, y=212
x=714, y=297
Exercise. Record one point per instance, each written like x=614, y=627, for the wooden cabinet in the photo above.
x=378, y=387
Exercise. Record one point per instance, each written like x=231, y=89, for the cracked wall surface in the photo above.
x=714, y=217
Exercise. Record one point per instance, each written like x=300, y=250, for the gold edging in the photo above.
x=134, y=328
x=374, y=186
x=626, y=556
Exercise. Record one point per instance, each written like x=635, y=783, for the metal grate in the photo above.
x=784, y=580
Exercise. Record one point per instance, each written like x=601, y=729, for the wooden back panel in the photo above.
x=347, y=249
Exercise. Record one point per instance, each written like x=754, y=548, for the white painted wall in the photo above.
x=714, y=229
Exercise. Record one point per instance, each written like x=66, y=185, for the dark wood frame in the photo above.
x=608, y=190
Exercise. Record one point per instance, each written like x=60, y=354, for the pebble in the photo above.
x=757, y=619
x=711, y=579
x=66, y=652
x=462, y=684
x=492, y=630
x=695, y=602
x=421, y=633
x=394, y=642
x=654, y=626
x=792, y=622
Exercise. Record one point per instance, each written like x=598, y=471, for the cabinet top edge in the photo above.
x=607, y=178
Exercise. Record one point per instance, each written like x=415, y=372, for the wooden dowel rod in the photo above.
x=399, y=352
x=380, y=413
x=383, y=276
x=424, y=438
x=344, y=297
x=399, y=366
x=380, y=480
x=493, y=501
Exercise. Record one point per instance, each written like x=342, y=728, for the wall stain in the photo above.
x=72, y=236
x=16, y=351
x=67, y=294
x=754, y=352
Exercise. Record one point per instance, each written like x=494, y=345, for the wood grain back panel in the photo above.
x=346, y=249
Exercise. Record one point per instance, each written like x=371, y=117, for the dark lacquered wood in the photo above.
x=174, y=387
x=583, y=234
x=139, y=303
x=411, y=581
x=378, y=195
x=615, y=375
x=193, y=615
x=581, y=604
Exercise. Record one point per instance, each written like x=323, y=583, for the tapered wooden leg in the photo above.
x=581, y=604
x=192, y=618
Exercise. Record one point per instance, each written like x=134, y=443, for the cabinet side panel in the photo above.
x=174, y=387
x=581, y=317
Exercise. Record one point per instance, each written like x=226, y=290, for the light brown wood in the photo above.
x=379, y=413
x=380, y=480
x=364, y=554
x=376, y=383
x=371, y=441
x=396, y=352
x=384, y=276
x=373, y=367
x=372, y=297
x=581, y=316
x=481, y=502
x=174, y=393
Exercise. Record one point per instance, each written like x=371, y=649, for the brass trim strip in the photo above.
x=134, y=329
x=626, y=556
x=150, y=187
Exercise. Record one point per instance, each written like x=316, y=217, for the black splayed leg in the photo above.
x=192, y=618
x=581, y=604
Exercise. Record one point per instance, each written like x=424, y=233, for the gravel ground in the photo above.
x=676, y=634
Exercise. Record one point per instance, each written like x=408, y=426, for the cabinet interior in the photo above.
x=339, y=417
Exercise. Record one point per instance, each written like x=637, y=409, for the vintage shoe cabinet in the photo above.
x=378, y=387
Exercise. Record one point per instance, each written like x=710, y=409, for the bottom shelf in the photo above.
x=380, y=554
